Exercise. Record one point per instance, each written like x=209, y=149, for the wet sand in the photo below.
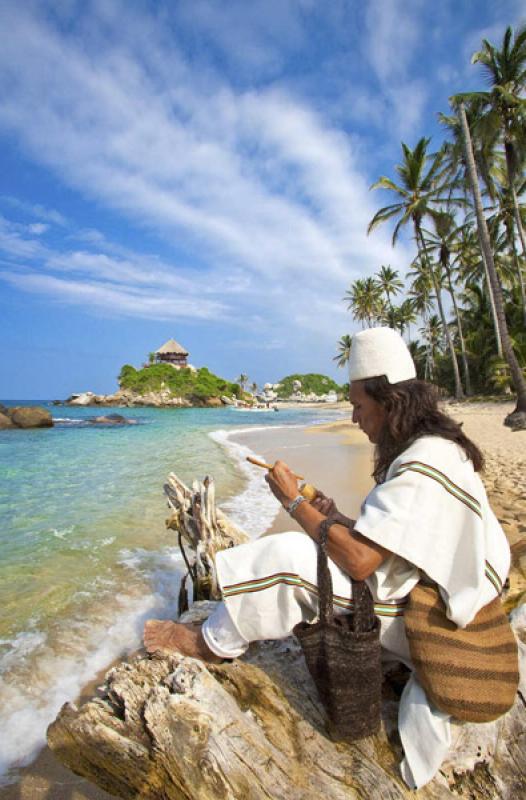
x=323, y=455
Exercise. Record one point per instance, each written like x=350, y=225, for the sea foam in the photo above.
x=255, y=508
x=37, y=675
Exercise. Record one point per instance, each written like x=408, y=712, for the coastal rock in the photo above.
x=172, y=727
x=128, y=399
x=5, y=421
x=30, y=417
x=81, y=399
x=112, y=419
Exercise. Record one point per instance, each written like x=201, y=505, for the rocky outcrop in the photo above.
x=25, y=417
x=112, y=419
x=167, y=728
x=6, y=421
x=128, y=399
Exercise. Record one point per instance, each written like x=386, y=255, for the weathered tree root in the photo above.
x=173, y=727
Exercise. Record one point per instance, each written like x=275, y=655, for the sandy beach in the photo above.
x=337, y=458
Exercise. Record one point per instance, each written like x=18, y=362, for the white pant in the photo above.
x=270, y=584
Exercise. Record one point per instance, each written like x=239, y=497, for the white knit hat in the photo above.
x=380, y=351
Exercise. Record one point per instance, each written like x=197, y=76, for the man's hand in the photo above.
x=325, y=505
x=282, y=482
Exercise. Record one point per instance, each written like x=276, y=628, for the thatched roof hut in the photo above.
x=171, y=352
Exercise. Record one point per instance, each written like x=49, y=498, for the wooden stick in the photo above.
x=269, y=466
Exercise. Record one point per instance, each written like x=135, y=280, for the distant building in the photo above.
x=172, y=353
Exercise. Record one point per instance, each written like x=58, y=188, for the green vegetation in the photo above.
x=312, y=383
x=180, y=382
x=463, y=309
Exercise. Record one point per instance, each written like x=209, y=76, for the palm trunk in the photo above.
x=459, y=392
x=498, y=339
x=520, y=276
x=511, y=182
x=518, y=223
x=428, y=366
x=465, y=364
x=519, y=381
x=493, y=307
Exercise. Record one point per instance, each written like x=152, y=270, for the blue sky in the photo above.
x=200, y=169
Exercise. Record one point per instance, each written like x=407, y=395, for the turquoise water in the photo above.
x=84, y=553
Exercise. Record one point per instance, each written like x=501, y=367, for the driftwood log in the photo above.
x=172, y=728
x=202, y=530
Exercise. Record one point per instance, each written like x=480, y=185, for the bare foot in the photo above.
x=168, y=637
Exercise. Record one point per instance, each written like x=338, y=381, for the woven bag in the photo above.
x=471, y=673
x=343, y=655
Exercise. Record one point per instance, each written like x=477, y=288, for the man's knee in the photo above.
x=293, y=548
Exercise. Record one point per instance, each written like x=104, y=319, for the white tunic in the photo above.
x=432, y=513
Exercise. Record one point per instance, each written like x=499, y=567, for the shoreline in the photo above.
x=322, y=454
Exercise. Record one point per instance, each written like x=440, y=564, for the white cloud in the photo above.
x=127, y=284
x=258, y=191
x=14, y=241
x=38, y=228
x=115, y=300
x=394, y=30
x=36, y=210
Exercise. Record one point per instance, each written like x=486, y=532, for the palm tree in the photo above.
x=455, y=166
x=365, y=301
x=389, y=282
x=432, y=333
x=419, y=356
x=504, y=215
x=442, y=242
x=420, y=293
x=420, y=191
x=518, y=417
x=344, y=350
x=242, y=380
x=407, y=316
x=504, y=107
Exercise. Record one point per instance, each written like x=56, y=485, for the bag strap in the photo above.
x=363, y=616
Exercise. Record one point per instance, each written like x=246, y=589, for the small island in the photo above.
x=167, y=380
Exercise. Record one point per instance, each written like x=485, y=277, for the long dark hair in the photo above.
x=412, y=412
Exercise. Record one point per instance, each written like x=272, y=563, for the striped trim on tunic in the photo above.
x=395, y=609
x=451, y=487
x=493, y=577
x=455, y=490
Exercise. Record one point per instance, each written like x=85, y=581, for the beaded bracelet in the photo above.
x=292, y=506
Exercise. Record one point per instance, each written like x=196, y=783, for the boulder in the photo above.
x=112, y=419
x=31, y=417
x=5, y=421
x=82, y=399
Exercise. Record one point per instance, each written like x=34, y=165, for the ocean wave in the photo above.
x=42, y=672
x=255, y=508
x=61, y=533
x=15, y=650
